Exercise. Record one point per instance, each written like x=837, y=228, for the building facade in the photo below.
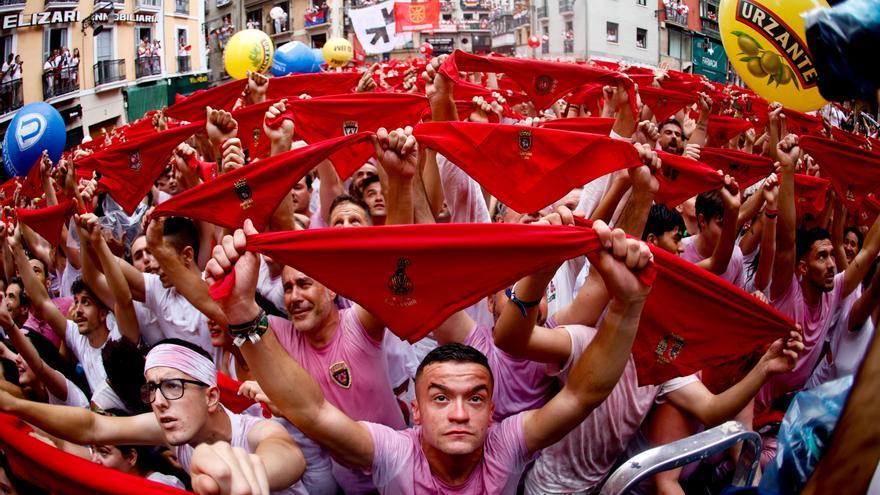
x=690, y=40
x=100, y=63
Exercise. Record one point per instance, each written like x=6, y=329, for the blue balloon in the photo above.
x=293, y=57
x=36, y=127
x=318, y=54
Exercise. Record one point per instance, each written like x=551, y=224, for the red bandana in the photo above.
x=59, y=472
x=526, y=168
x=722, y=129
x=544, y=82
x=810, y=193
x=129, y=169
x=250, y=129
x=864, y=142
x=682, y=178
x=192, y=108
x=256, y=190
x=318, y=84
x=870, y=210
x=746, y=168
x=800, y=123
x=854, y=172
x=47, y=221
x=592, y=125
x=665, y=103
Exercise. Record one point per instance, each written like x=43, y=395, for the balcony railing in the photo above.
x=60, y=81
x=148, y=66
x=108, y=71
x=542, y=12
x=476, y=5
x=674, y=17
x=317, y=18
x=568, y=46
x=566, y=6
x=181, y=6
x=520, y=20
x=10, y=96
x=12, y=4
x=148, y=4
x=183, y=63
x=473, y=26
x=61, y=3
x=710, y=26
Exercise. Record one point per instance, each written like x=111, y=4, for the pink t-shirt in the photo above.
x=584, y=457
x=520, y=384
x=400, y=465
x=814, y=322
x=735, y=272
x=43, y=328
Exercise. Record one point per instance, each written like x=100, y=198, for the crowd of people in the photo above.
x=61, y=71
x=131, y=333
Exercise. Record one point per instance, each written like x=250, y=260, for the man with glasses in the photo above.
x=223, y=452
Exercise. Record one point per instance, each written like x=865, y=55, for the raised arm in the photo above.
x=717, y=263
x=91, y=268
x=838, y=225
x=398, y=154
x=330, y=187
x=700, y=134
x=625, y=122
x=783, y=267
x=36, y=291
x=866, y=304
x=768, y=233
x=53, y=379
x=598, y=370
x=858, y=269
x=293, y=391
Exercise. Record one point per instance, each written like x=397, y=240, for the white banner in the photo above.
x=375, y=28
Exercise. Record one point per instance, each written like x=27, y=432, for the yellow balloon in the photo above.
x=248, y=50
x=765, y=43
x=337, y=52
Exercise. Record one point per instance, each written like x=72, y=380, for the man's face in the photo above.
x=111, y=457
x=671, y=139
x=348, y=215
x=308, y=303
x=850, y=246
x=13, y=302
x=670, y=241
x=141, y=257
x=711, y=230
x=511, y=216
x=366, y=170
x=37, y=267
x=87, y=314
x=301, y=196
x=454, y=406
x=818, y=266
x=180, y=419
x=167, y=183
x=375, y=199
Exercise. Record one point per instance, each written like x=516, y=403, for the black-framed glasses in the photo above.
x=172, y=389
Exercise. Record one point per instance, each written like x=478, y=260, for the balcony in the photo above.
x=148, y=5
x=61, y=4
x=673, y=16
x=566, y=6
x=568, y=46
x=473, y=26
x=116, y=4
x=60, y=81
x=109, y=71
x=317, y=18
x=183, y=63
x=181, y=7
x=147, y=66
x=521, y=19
x=542, y=12
x=11, y=5
x=223, y=3
x=710, y=26
x=10, y=96
x=447, y=6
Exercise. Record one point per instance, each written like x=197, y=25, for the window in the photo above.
x=679, y=45
x=642, y=2
x=611, y=30
x=5, y=47
x=255, y=19
x=104, y=45
x=54, y=39
x=641, y=38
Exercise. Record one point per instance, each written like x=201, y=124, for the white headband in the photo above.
x=184, y=359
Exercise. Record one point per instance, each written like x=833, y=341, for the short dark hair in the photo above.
x=671, y=121
x=372, y=179
x=23, y=298
x=10, y=371
x=860, y=238
x=183, y=343
x=345, y=198
x=181, y=232
x=662, y=220
x=79, y=286
x=805, y=239
x=457, y=353
x=124, y=364
x=309, y=181
x=710, y=205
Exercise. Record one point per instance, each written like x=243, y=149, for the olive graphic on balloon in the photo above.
x=755, y=68
x=747, y=45
x=770, y=63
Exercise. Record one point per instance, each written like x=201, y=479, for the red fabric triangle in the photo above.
x=590, y=96
x=129, y=169
x=870, y=210
x=746, y=168
x=317, y=84
x=810, y=193
x=682, y=178
x=250, y=129
x=325, y=117
x=800, y=123
x=667, y=347
x=192, y=107
x=47, y=221
x=682, y=82
x=59, y=472
x=526, y=168
x=722, y=129
x=256, y=190
x=864, y=142
x=592, y=125
x=665, y=103
x=853, y=171
x=544, y=82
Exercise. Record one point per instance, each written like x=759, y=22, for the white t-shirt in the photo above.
x=89, y=357
x=104, y=398
x=176, y=316
x=563, y=287
x=582, y=459
x=270, y=287
x=847, y=348
x=151, y=332
x=166, y=479
x=463, y=195
x=75, y=397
